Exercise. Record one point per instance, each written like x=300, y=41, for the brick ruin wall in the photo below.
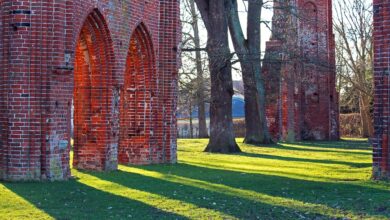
x=283, y=64
x=299, y=63
x=381, y=157
x=82, y=53
x=107, y=69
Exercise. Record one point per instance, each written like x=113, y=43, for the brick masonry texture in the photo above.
x=107, y=69
x=302, y=102
x=381, y=158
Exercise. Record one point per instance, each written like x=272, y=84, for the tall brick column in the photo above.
x=381, y=154
x=169, y=62
x=20, y=105
x=3, y=93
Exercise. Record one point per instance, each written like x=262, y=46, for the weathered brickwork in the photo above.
x=381, y=157
x=299, y=70
x=107, y=69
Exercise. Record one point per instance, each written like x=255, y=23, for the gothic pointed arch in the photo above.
x=93, y=74
x=138, y=115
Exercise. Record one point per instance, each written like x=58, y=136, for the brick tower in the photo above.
x=381, y=155
x=302, y=102
x=102, y=73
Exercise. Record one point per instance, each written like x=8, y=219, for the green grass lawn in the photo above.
x=308, y=180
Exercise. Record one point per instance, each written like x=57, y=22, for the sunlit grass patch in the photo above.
x=319, y=161
x=14, y=206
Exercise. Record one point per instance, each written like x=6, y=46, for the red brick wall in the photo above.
x=3, y=116
x=381, y=158
x=300, y=56
x=57, y=53
x=168, y=75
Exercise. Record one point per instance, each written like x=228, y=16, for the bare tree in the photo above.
x=248, y=52
x=191, y=41
x=214, y=15
x=353, y=28
x=203, y=133
x=187, y=93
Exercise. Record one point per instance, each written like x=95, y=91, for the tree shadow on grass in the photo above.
x=360, y=199
x=341, y=144
x=225, y=191
x=233, y=205
x=306, y=160
x=74, y=200
x=313, y=147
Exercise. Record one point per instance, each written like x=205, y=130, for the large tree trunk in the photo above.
x=222, y=139
x=256, y=130
x=253, y=129
x=203, y=133
x=254, y=44
x=248, y=51
x=364, y=105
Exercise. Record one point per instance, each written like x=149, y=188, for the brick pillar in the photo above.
x=3, y=92
x=271, y=69
x=21, y=131
x=169, y=40
x=56, y=89
x=381, y=157
x=334, y=113
x=35, y=106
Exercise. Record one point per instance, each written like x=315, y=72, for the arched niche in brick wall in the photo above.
x=309, y=29
x=93, y=72
x=309, y=42
x=137, y=106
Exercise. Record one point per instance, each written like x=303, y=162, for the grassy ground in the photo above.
x=322, y=180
